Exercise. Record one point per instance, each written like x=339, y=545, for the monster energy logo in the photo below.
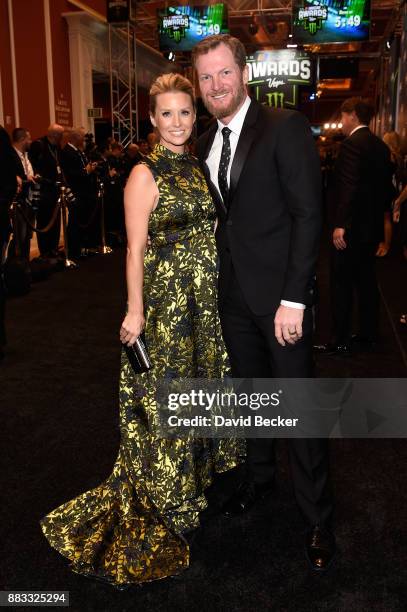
x=174, y=26
x=313, y=18
x=275, y=99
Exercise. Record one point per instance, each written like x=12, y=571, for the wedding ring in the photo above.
x=292, y=333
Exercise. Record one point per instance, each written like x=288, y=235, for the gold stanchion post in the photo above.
x=68, y=263
x=103, y=249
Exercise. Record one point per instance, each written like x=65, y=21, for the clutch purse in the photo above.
x=137, y=355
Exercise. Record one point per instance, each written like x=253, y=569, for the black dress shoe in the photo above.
x=320, y=548
x=342, y=350
x=245, y=496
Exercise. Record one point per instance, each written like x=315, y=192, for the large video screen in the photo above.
x=180, y=28
x=328, y=21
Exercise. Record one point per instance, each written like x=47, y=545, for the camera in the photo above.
x=70, y=198
x=30, y=193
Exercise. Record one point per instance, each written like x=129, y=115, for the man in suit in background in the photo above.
x=361, y=192
x=21, y=140
x=77, y=171
x=44, y=155
x=8, y=188
x=263, y=171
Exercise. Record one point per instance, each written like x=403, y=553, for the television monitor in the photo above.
x=330, y=21
x=181, y=28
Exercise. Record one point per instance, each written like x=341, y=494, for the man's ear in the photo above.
x=246, y=74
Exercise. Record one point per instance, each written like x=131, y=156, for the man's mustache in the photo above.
x=218, y=93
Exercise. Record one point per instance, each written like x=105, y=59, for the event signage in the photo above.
x=275, y=76
x=182, y=27
x=327, y=21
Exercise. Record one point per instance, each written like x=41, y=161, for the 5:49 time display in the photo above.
x=342, y=22
x=208, y=30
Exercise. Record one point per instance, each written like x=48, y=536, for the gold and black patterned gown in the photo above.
x=129, y=528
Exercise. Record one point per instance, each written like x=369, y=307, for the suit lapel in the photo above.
x=246, y=138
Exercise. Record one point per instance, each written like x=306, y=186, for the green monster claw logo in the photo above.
x=276, y=99
x=313, y=17
x=174, y=26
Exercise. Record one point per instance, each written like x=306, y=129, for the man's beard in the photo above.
x=226, y=111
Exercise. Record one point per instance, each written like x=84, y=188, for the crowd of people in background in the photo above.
x=33, y=172
x=69, y=158
x=329, y=147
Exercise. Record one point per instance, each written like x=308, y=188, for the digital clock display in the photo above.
x=180, y=28
x=327, y=21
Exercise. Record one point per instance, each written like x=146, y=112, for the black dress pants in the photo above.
x=353, y=271
x=255, y=353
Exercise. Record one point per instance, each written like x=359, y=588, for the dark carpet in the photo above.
x=59, y=416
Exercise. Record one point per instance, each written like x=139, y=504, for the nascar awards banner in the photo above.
x=275, y=76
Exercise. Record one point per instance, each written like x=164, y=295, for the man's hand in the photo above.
x=338, y=238
x=288, y=324
x=90, y=167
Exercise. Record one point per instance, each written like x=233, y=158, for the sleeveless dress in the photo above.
x=130, y=528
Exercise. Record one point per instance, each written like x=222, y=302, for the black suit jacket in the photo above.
x=73, y=166
x=45, y=160
x=362, y=186
x=8, y=181
x=270, y=230
x=18, y=165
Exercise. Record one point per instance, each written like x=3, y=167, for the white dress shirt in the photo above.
x=235, y=126
x=213, y=159
x=28, y=169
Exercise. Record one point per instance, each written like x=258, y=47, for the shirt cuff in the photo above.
x=293, y=304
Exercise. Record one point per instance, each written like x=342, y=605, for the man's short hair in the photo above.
x=19, y=134
x=363, y=109
x=212, y=42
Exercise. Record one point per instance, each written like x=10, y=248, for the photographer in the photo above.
x=21, y=140
x=78, y=173
x=44, y=155
x=8, y=187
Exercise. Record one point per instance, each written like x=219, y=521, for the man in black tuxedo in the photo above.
x=8, y=188
x=361, y=192
x=77, y=170
x=44, y=156
x=263, y=172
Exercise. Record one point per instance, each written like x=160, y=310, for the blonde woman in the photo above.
x=132, y=527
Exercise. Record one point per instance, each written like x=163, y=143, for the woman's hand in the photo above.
x=132, y=326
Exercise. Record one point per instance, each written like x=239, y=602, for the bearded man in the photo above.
x=263, y=171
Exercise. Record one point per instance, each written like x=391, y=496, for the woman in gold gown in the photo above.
x=130, y=529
